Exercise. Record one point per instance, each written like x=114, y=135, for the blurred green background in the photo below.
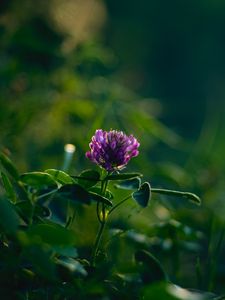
x=152, y=68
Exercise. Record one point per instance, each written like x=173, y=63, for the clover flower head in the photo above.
x=112, y=149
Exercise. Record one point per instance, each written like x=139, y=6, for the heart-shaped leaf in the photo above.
x=143, y=195
x=97, y=189
x=99, y=198
x=88, y=178
x=60, y=176
x=74, y=192
x=130, y=184
x=38, y=179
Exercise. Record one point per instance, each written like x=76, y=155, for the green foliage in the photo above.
x=143, y=194
x=61, y=78
x=38, y=180
x=100, y=198
x=8, y=188
x=190, y=196
x=40, y=241
x=9, y=219
x=88, y=178
x=60, y=176
x=8, y=166
x=74, y=192
x=51, y=234
x=130, y=184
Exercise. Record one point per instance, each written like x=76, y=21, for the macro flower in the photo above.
x=112, y=149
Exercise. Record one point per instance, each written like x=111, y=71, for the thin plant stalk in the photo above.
x=97, y=242
x=102, y=220
x=118, y=204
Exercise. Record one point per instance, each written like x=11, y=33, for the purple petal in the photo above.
x=113, y=149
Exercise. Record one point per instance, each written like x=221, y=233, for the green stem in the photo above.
x=194, y=198
x=97, y=243
x=32, y=198
x=118, y=204
x=47, y=194
x=102, y=220
x=71, y=217
x=98, y=212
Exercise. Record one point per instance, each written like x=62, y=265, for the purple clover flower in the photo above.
x=112, y=149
